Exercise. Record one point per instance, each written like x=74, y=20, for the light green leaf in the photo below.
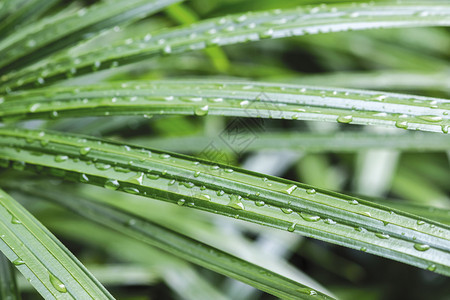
x=41, y=258
x=58, y=32
x=185, y=247
x=233, y=192
x=27, y=13
x=236, y=29
x=344, y=141
x=233, y=98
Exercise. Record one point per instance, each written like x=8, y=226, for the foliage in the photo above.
x=150, y=137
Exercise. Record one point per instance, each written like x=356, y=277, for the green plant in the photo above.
x=47, y=50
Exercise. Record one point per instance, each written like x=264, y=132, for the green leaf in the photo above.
x=54, y=33
x=384, y=80
x=41, y=258
x=344, y=141
x=27, y=13
x=185, y=247
x=8, y=286
x=233, y=98
x=233, y=192
x=235, y=29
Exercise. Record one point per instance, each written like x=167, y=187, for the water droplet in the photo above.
x=112, y=184
x=102, y=166
x=363, y=249
x=61, y=158
x=137, y=179
x=311, y=191
x=309, y=218
x=291, y=189
x=366, y=213
x=34, y=107
x=196, y=174
x=382, y=235
x=353, y=202
x=85, y=150
x=18, y=262
x=431, y=268
x=228, y=170
x=220, y=193
x=286, y=210
x=152, y=176
x=291, y=228
x=380, y=97
x=260, y=203
x=401, y=124
x=235, y=202
x=420, y=222
x=14, y=220
x=31, y=43
x=444, y=128
x=167, y=49
x=421, y=247
x=203, y=197
x=360, y=229
x=57, y=284
x=330, y=222
x=84, y=178
x=181, y=202
x=307, y=291
x=345, y=119
x=165, y=156
x=189, y=185
x=131, y=190
x=430, y=118
x=201, y=110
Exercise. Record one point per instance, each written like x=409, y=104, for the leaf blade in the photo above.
x=49, y=266
x=265, y=200
x=237, y=29
x=233, y=98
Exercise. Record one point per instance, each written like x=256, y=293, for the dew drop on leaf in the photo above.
x=61, y=158
x=236, y=202
x=311, y=191
x=137, y=179
x=85, y=150
x=18, y=262
x=421, y=247
x=57, y=284
x=291, y=228
x=14, y=220
x=112, y=184
x=84, y=178
x=291, y=189
x=382, y=235
x=309, y=218
x=344, y=119
x=201, y=110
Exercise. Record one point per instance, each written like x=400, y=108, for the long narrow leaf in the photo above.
x=309, y=142
x=47, y=36
x=41, y=258
x=186, y=248
x=232, y=98
x=266, y=200
x=233, y=30
x=29, y=12
x=8, y=286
